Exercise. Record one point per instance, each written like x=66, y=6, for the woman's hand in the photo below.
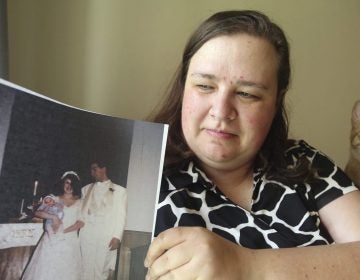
x=76, y=226
x=195, y=253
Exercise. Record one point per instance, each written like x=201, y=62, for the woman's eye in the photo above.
x=246, y=95
x=204, y=87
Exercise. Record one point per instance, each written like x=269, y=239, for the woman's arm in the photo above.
x=341, y=217
x=45, y=215
x=338, y=261
x=55, y=219
x=196, y=253
x=76, y=226
x=191, y=253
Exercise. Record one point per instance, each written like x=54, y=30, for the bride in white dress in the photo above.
x=57, y=255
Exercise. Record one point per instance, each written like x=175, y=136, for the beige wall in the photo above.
x=116, y=57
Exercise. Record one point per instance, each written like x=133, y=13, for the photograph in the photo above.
x=77, y=189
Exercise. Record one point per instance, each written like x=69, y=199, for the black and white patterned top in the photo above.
x=281, y=215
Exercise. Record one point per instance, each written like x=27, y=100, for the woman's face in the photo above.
x=67, y=186
x=230, y=100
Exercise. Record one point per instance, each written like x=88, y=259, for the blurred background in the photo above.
x=117, y=57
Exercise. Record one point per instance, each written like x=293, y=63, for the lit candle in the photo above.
x=22, y=205
x=35, y=186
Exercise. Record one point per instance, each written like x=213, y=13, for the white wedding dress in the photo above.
x=57, y=257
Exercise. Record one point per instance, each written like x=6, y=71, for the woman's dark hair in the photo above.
x=223, y=23
x=75, y=184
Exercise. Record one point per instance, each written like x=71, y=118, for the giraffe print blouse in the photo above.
x=281, y=215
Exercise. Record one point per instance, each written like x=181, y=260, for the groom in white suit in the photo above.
x=103, y=212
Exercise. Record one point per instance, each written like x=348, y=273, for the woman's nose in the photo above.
x=222, y=107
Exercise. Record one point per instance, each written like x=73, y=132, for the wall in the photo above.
x=116, y=57
x=143, y=176
x=4, y=64
x=6, y=103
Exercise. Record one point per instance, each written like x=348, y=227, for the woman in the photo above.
x=232, y=170
x=57, y=255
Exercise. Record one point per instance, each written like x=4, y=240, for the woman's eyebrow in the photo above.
x=251, y=84
x=204, y=75
x=238, y=83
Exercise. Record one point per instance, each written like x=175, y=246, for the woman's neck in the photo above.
x=235, y=184
x=68, y=198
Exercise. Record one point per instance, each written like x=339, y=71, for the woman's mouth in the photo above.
x=221, y=134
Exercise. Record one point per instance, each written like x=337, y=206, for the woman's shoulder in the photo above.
x=77, y=202
x=183, y=175
x=330, y=180
x=299, y=148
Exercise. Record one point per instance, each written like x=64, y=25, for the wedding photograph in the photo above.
x=71, y=197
